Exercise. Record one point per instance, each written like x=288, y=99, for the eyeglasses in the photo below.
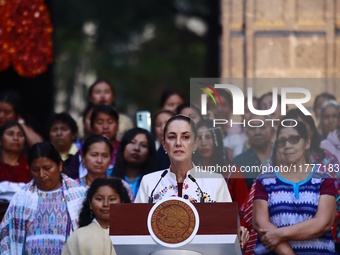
x=293, y=139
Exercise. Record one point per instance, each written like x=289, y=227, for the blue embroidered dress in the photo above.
x=290, y=203
x=21, y=223
x=134, y=185
x=48, y=233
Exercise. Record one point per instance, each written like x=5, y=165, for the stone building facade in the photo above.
x=282, y=39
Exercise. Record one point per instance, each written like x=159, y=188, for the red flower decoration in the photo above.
x=4, y=38
x=25, y=36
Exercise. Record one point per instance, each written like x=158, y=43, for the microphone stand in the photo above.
x=150, y=201
x=199, y=188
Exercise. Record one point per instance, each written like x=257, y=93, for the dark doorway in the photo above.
x=36, y=93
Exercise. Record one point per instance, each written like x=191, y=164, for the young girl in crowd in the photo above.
x=93, y=235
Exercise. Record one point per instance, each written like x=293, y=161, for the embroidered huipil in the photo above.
x=290, y=203
x=23, y=209
x=213, y=186
x=134, y=185
x=47, y=234
x=329, y=161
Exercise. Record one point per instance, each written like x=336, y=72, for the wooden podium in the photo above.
x=216, y=234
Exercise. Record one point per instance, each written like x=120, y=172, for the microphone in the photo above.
x=199, y=188
x=162, y=176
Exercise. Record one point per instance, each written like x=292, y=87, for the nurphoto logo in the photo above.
x=238, y=96
x=283, y=97
x=211, y=91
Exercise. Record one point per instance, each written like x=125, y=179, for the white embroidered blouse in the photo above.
x=213, y=186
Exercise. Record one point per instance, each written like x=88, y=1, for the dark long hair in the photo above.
x=95, y=139
x=45, y=150
x=85, y=215
x=121, y=164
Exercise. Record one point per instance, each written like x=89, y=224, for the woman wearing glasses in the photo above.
x=293, y=198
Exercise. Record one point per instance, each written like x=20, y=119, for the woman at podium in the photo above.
x=182, y=178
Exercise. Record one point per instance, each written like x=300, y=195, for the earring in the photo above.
x=166, y=152
x=91, y=215
x=193, y=152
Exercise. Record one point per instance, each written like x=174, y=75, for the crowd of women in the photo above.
x=56, y=188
